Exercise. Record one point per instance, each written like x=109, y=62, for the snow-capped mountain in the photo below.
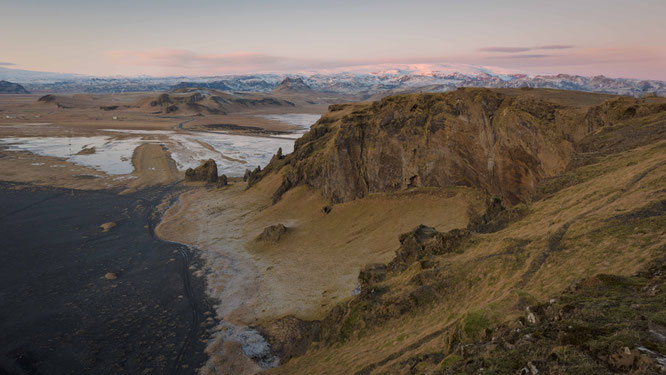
x=364, y=80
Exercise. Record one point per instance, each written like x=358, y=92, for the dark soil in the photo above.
x=60, y=315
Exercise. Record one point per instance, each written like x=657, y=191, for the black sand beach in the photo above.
x=58, y=312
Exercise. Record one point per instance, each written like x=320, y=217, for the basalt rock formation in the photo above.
x=503, y=141
x=206, y=172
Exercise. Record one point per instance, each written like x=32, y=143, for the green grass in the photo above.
x=475, y=323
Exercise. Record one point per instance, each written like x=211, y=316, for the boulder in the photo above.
x=107, y=226
x=273, y=233
x=87, y=151
x=206, y=172
x=423, y=242
x=222, y=181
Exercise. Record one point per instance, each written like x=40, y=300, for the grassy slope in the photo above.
x=317, y=262
x=588, y=227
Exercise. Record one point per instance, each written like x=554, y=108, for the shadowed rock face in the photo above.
x=503, y=143
x=206, y=172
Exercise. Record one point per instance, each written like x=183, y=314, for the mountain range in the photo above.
x=365, y=81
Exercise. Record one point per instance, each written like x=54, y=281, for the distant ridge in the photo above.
x=370, y=82
x=7, y=87
x=292, y=85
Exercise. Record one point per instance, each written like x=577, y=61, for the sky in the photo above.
x=212, y=37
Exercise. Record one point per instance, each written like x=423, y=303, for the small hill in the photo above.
x=7, y=87
x=291, y=85
x=201, y=101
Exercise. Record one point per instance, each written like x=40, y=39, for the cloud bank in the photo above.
x=171, y=61
x=525, y=49
x=634, y=62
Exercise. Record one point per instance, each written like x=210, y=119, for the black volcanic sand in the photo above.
x=58, y=312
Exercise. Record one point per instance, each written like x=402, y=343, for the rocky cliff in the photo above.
x=571, y=281
x=503, y=141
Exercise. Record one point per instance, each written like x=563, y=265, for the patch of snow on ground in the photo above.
x=248, y=152
x=232, y=153
x=112, y=156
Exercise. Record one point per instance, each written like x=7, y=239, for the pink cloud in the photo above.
x=177, y=61
x=630, y=62
x=635, y=62
x=525, y=49
x=177, y=58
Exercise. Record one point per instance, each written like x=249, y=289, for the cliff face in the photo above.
x=502, y=141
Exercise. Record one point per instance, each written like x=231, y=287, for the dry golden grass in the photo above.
x=83, y=113
x=489, y=279
x=316, y=263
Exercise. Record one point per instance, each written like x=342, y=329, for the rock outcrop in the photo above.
x=222, y=181
x=206, y=172
x=87, y=151
x=372, y=273
x=47, y=98
x=501, y=141
x=7, y=87
x=272, y=233
x=423, y=242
